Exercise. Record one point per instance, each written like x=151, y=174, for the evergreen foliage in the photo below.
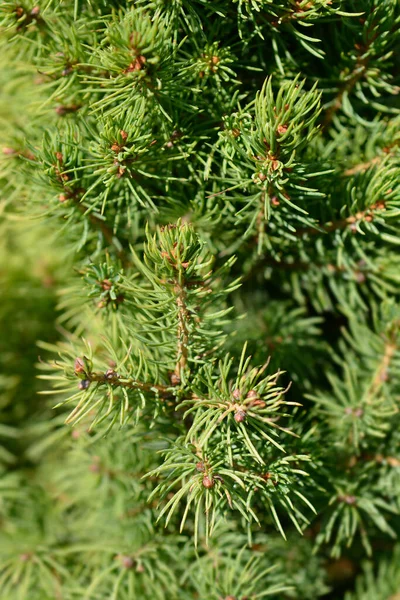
x=200, y=318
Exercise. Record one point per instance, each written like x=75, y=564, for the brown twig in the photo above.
x=381, y=374
x=112, y=378
x=361, y=167
x=358, y=72
x=183, y=332
x=364, y=215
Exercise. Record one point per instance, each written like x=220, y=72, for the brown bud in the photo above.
x=262, y=176
x=175, y=379
x=106, y=284
x=115, y=147
x=123, y=134
x=79, y=365
x=240, y=416
x=384, y=376
x=258, y=402
x=111, y=374
x=274, y=165
x=237, y=394
x=63, y=197
x=252, y=394
x=208, y=482
x=35, y=11
x=281, y=129
x=359, y=277
x=25, y=556
x=200, y=467
x=348, y=499
x=126, y=561
x=84, y=384
x=137, y=64
x=275, y=201
x=9, y=151
x=94, y=467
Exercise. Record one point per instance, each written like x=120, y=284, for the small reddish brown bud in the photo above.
x=275, y=201
x=348, y=499
x=176, y=134
x=84, y=384
x=258, y=402
x=360, y=277
x=35, y=11
x=208, y=482
x=126, y=561
x=281, y=129
x=115, y=147
x=384, y=376
x=63, y=197
x=123, y=134
x=79, y=365
x=25, y=556
x=175, y=379
x=200, y=467
x=274, y=165
x=215, y=60
x=240, y=416
x=106, y=284
x=252, y=394
x=111, y=374
x=262, y=176
x=137, y=64
x=237, y=394
x=9, y=151
x=94, y=467
x=59, y=157
x=75, y=434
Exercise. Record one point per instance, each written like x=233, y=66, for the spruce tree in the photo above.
x=200, y=313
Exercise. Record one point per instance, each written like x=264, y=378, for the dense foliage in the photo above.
x=200, y=317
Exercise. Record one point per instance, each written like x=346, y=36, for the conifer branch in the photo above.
x=381, y=375
x=376, y=160
x=183, y=331
x=112, y=378
x=362, y=61
x=351, y=221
